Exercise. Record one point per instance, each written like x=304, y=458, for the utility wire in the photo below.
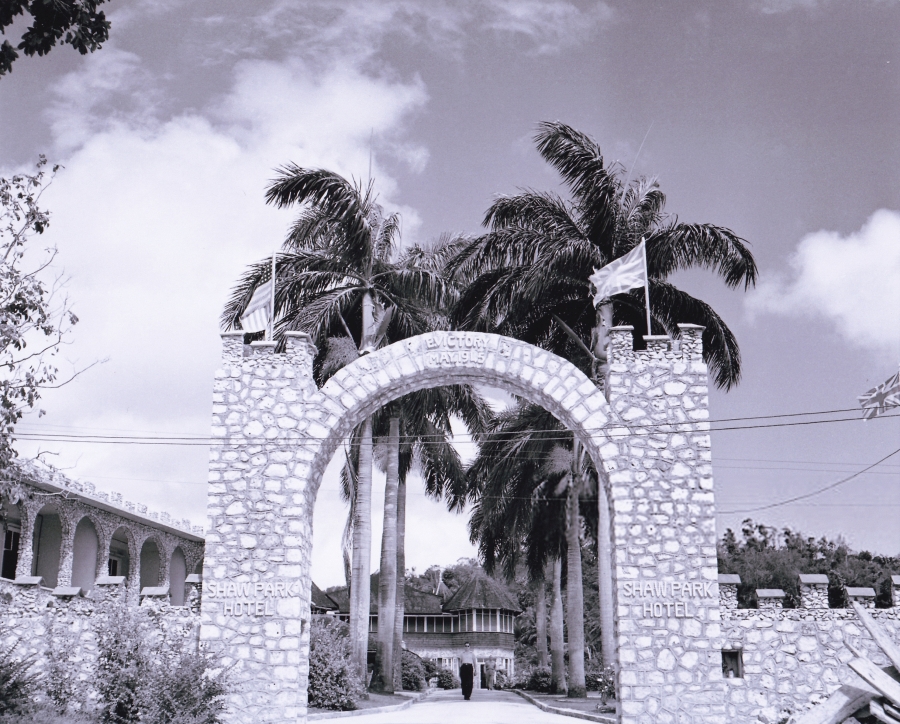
x=494, y=436
x=819, y=491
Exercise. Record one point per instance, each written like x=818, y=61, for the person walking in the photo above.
x=467, y=671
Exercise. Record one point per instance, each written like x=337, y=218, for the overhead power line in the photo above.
x=187, y=441
x=818, y=491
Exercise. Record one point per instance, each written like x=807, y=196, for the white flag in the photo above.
x=256, y=317
x=626, y=272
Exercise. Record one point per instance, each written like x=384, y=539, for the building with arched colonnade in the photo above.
x=65, y=537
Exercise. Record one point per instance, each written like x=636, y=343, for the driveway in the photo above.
x=485, y=707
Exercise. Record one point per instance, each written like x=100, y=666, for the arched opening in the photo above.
x=198, y=569
x=150, y=559
x=11, y=529
x=84, y=555
x=177, y=576
x=47, y=545
x=119, y=560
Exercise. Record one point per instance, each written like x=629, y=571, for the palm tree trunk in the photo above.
x=600, y=342
x=362, y=551
x=401, y=585
x=604, y=579
x=383, y=678
x=540, y=621
x=575, y=591
x=557, y=644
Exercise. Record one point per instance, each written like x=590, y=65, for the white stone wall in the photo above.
x=793, y=657
x=276, y=433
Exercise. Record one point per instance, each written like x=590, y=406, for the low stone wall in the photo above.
x=50, y=625
x=793, y=657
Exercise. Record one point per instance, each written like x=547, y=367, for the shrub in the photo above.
x=186, y=689
x=539, y=679
x=18, y=680
x=414, y=672
x=446, y=679
x=142, y=676
x=502, y=681
x=601, y=678
x=332, y=682
x=123, y=663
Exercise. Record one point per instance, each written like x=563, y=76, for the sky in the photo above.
x=775, y=118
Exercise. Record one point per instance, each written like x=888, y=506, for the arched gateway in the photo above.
x=275, y=432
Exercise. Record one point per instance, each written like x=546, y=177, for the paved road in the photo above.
x=485, y=707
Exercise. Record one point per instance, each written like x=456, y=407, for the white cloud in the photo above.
x=853, y=282
x=155, y=220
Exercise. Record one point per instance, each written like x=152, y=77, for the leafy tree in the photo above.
x=33, y=320
x=74, y=22
x=765, y=557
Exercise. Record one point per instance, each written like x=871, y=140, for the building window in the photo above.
x=733, y=664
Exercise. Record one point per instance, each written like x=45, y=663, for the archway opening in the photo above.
x=119, y=563
x=47, y=545
x=84, y=555
x=11, y=529
x=150, y=564
x=177, y=576
x=531, y=374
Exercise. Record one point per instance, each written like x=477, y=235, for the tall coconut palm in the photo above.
x=527, y=277
x=337, y=277
x=526, y=483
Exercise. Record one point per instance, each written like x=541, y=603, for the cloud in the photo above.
x=154, y=221
x=853, y=282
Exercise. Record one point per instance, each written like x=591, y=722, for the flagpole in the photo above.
x=272, y=315
x=646, y=286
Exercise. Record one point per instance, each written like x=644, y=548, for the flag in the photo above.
x=877, y=400
x=256, y=316
x=626, y=272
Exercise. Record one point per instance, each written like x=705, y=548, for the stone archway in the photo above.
x=276, y=431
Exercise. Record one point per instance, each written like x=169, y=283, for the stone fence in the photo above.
x=777, y=660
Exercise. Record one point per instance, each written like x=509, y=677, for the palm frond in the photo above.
x=705, y=246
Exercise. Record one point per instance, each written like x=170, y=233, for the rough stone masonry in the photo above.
x=275, y=432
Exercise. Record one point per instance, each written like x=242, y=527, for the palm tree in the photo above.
x=418, y=435
x=526, y=483
x=337, y=278
x=527, y=277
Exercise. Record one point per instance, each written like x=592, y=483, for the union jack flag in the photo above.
x=877, y=400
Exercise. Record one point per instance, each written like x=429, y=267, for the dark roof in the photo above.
x=482, y=592
x=416, y=602
x=320, y=599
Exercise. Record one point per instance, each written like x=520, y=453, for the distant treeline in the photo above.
x=765, y=557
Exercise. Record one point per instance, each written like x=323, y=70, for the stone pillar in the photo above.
x=865, y=597
x=813, y=590
x=104, y=541
x=895, y=591
x=728, y=591
x=26, y=537
x=67, y=521
x=256, y=586
x=770, y=598
x=658, y=461
x=133, y=581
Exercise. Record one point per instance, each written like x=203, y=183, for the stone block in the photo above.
x=68, y=592
x=770, y=598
